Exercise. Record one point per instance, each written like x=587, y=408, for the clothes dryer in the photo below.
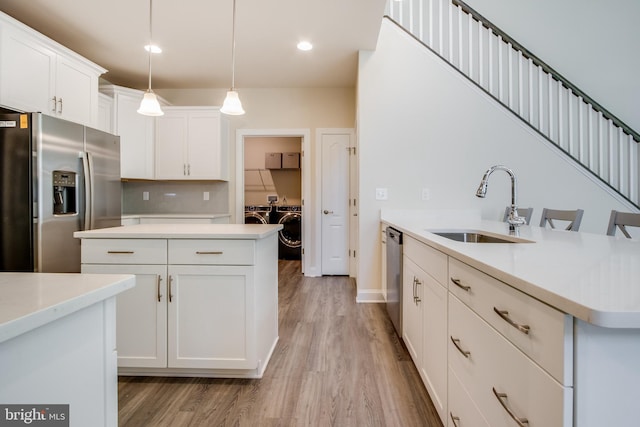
x=290, y=237
x=257, y=214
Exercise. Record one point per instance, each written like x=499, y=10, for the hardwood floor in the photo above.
x=337, y=363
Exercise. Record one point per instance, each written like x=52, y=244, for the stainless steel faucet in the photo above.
x=513, y=218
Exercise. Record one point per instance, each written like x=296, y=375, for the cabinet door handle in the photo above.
x=60, y=104
x=158, y=286
x=55, y=103
x=459, y=284
x=416, y=298
x=170, y=290
x=327, y=212
x=189, y=169
x=209, y=252
x=454, y=419
x=121, y=252
x=184, y=169
x=456, y=342
x=504, y=314
x=522, y=422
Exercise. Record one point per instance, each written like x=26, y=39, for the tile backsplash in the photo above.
x=174, y=197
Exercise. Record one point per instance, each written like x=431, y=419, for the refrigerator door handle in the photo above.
x=87, y=165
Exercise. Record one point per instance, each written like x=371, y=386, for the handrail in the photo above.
x=546, y=68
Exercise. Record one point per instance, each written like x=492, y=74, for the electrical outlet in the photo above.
x=426, y=194
x=205, y=195
x=381, y=194
x=145, y=195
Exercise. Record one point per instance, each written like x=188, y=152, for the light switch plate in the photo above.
x=145, y=195
x=381, y=194
x=205, y=195
x=426, y=194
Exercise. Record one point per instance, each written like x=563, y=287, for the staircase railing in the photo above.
x=531, y=89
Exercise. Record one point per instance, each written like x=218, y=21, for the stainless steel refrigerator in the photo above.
x=56, y=177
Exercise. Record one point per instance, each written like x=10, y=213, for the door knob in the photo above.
x=326, y=212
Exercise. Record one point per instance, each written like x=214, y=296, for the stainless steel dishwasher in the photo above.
x=394, y=278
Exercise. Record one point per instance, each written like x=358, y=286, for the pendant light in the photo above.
x=232, y=104
x=149, y=106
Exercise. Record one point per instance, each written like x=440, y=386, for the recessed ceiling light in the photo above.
x=304, y=45
x=154, y=48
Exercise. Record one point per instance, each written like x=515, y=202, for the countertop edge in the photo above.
x=31, y=321
x=183, y=231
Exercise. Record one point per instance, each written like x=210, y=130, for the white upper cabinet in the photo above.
x=191, y=144
x=135, y=130
x=38, y=74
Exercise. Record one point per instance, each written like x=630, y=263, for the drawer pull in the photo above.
x=505, y=316
x=209, y=252
x=456, y=342
x=459, y=284
x=522, y=422
x=121, y=252
x=158, y=286
x=454, y=419
x=170, y=293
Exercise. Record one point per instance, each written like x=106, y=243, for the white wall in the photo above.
x=423, y=125
x=594, y=44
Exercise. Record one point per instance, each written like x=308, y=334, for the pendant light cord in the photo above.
x=150, y=38
x=233, y=47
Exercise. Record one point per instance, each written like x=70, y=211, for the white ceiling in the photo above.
x=196, y=39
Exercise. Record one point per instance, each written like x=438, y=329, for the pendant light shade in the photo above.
x=149, y=106
x=232, y=104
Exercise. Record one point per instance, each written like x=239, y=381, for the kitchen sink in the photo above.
x=474, y=236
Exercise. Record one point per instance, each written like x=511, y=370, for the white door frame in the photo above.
x=310, y=254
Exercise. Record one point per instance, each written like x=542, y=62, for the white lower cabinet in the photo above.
x=209, y=317
x=488, y=354
x=141, y=320
x=507, y=386
x=205, y=307
x=424, y=318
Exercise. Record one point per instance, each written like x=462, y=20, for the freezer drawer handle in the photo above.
x=121, y=252
x=522, y=422
x=504, y=314
x=158, y=285
x=209, y=252
x=456, y=342
x=459, y=284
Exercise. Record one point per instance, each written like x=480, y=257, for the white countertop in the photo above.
x=173, y=216
x=30, y=300
x=593, y=277
x=182, y=231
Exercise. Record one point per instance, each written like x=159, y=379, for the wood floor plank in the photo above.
x=337, y=363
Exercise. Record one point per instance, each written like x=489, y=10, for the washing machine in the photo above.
x=257, y=214
x=290, y=237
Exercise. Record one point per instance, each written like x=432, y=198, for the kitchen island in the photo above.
x=57, y=343
x=546, y=329
x=206, y=300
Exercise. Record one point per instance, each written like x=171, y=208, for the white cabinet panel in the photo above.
x=38, y=74
x=135, y=130
x=549, y=336
x=493, y=363
x=141, y=315
x=209, y=312
x=191, y=143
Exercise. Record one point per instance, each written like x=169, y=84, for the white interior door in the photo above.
x=335, y=203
